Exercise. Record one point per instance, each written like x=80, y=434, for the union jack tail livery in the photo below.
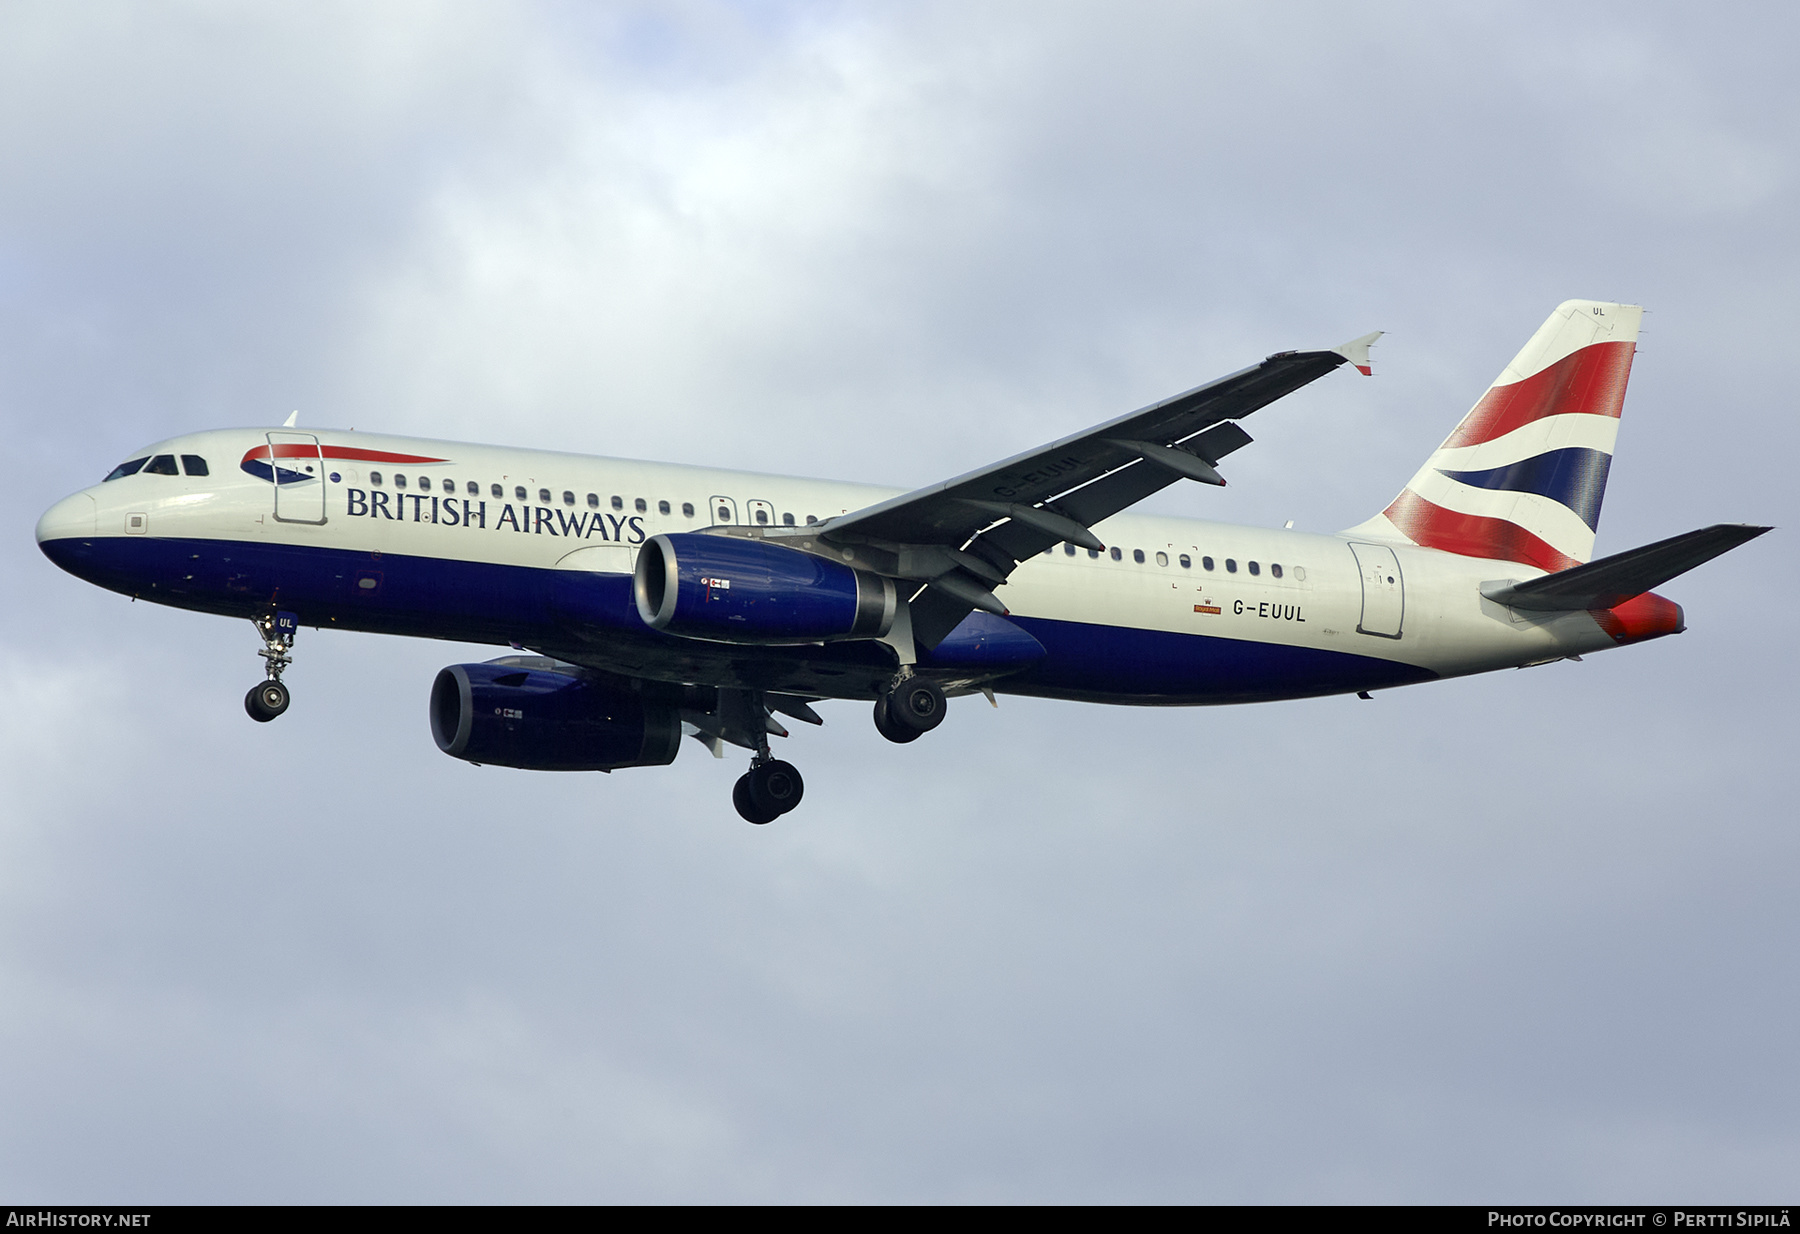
x=1522, y=476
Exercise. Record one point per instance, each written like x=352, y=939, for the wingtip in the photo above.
x=1357, y=352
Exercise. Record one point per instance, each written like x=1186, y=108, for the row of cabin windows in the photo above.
x=1187, y=562
x=159, y=465
x=546, y=497
x=521, y=493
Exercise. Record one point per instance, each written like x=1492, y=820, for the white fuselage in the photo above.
x=456, y=507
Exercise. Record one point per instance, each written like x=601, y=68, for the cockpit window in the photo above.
x=193, y=464
x=161, y=465
x=126, y=469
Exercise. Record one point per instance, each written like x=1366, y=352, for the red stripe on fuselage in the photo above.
x=301, y=450
x=1472, y=535
x=1589, y=382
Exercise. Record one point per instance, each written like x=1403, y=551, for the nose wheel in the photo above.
x=266, y=701
x=271, y=698
x=767, y=791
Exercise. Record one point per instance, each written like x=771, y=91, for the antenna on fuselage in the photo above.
x=292, y=416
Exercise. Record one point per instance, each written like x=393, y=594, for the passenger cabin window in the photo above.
x=399, y=480
x=662, y=507
x=687, y=509
x=161, y=465
x=593, y=501
x=1162, y=559
x=1068, y=549
x=1255, y=569
x=127, y=469
x=762, y=516
x=568, y=498
x=641, y=506
x=1187, y=563
x=494, y=490
x=1093, y=552
x=518, y=492
x=375, y=478
x=193, y=464
x=724, y=514
x=1116, y=554
x=1137, y=555
x=1275, y=569
x=1206, y=563
x=787, y=520
x=618, y=503
x=811, y=519
x=544, y=496
x=1231, y=565
x=449, y=485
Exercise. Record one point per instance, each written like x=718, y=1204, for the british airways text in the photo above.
x=524, y=520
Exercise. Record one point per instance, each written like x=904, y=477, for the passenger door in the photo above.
x=299, y=468
x=1383, y=590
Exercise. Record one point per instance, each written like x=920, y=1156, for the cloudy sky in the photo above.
x=1528, y=936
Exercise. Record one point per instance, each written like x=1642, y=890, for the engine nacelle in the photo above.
x=733, y=590
x=511, y=713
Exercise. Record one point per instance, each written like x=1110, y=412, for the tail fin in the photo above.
x=1522, y=477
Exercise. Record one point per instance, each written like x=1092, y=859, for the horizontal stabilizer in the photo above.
x=1613, y=580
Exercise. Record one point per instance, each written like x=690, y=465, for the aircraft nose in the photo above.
x=69, y=519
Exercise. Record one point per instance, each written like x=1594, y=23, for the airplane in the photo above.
x=645, y=602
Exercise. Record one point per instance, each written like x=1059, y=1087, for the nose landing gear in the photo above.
x=270, y=698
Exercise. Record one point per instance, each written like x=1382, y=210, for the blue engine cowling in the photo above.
x=732, y=590
x=516, y=712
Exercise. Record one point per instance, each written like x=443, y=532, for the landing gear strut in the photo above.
x=270, y=698
x=909, y=710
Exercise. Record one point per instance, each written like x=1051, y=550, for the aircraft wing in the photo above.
x=964, y=536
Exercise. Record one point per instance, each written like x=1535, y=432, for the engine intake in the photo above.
x=732, y=590
x=523, y=713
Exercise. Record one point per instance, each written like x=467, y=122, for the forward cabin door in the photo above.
x=299, y=468
x=1383, y=590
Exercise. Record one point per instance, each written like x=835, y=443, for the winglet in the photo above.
x=1357, y=352
x=293, y=416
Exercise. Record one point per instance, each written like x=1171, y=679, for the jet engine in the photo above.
x=733, y=590
x=530, y=713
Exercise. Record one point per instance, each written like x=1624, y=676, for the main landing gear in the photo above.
x=270, y=698
x=910, y=709
x=768, y=790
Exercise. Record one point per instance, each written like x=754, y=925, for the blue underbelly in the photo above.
x=481, y=602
